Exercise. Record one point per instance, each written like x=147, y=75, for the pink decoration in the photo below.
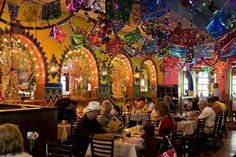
x=58, y=34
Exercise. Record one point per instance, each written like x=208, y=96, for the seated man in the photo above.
x=208, y=114
x=88, y=126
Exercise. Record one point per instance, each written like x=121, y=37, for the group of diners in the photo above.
x=96, y=117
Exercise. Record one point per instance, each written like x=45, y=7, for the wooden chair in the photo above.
x=58, y=150
x=102, y=146
x=224, y=124
x=73, y=130
x=195, y=142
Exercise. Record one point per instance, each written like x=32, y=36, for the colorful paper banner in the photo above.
x=13, y=9
x=51, y=10
x=218, y=24
x=133, y=37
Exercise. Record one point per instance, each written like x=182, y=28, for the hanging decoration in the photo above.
x=152, y=9
x=58, y=34
x=30, y=12
x=51, y=10
x=78, y=38
x=114, y=46
x=177, y=51
x=118, y=11
x=218, y=24
x=13, y=9
x=149, y=47
x=98, y=5
x=233, y=2
x=227, y=42
x=186, y=3
x=133, y=37
x=2, y=5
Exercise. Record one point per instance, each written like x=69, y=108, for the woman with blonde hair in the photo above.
x=167, y=124
x=105, y=116
x=11, y=141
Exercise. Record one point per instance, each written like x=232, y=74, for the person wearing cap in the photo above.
x=88, y=126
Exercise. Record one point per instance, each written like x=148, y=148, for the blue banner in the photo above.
x=219, y=24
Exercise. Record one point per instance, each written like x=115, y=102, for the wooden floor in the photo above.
x=229, y=148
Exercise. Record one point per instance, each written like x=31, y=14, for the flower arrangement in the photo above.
x=32, y=136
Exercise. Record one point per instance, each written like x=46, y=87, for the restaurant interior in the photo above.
x=62, y=60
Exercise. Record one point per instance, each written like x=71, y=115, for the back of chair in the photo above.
x=58, y=150
x=200, y=127
x=73, y=130
x=102, y=147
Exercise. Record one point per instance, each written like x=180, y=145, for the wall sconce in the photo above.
x=136, y=74
x=53, y=66
x=104, y=71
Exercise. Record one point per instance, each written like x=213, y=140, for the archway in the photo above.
x=121, y=79
x=79, y=74
x=148, y=79
x=22, y=67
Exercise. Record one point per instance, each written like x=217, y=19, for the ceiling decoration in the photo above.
x=177, y=28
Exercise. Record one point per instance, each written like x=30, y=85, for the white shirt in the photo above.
x=216, y=93
x=209, y=115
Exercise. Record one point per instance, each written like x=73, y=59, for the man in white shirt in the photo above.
x=208, y=114
x=216, y=92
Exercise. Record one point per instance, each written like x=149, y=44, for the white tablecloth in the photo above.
x=121, y=149
x=188, y=127
x=63, y=131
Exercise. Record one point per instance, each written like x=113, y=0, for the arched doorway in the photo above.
x=121, y=79
x=79, y=74
x=148, y=79
x=22, y=68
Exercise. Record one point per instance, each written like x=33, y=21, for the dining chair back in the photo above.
x=102, y=146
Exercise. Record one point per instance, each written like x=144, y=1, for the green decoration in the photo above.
x=77, y=40
x=133, y=37
x=206, y=69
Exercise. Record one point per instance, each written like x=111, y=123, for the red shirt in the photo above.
x=167, y=125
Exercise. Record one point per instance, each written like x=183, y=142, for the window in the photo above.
x=185, y=83
x=203, y=83
x=234, y=85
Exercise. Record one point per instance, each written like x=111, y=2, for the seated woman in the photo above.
x=149, y=105
x=105, y=116
x=129, y=106
x=11, y=141
x=166, y=124
x=140, y=103
x=194, y=106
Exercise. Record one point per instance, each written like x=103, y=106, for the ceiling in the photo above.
x=201, y=14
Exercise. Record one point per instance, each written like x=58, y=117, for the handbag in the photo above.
x=170, y=152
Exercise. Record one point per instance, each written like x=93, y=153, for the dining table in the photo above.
x=63, y=131
x=188, y=127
